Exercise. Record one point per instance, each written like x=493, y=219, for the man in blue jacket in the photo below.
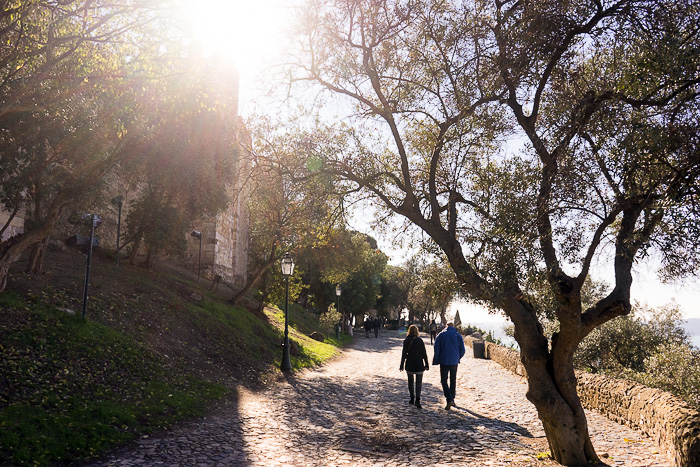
x=449, y=350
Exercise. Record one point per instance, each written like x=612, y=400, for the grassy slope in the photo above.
x=71, y=389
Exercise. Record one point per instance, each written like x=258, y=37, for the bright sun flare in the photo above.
x=247, y=31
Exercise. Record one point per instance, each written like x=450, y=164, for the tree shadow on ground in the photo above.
x=369, y=414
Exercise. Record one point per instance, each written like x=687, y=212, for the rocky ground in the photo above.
x=354, y=411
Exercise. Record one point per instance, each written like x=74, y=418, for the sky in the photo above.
x=248, y=32
x=251, y=33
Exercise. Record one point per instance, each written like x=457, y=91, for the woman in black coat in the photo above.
x=416, y=360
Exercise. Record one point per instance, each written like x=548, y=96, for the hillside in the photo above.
x=156, y=348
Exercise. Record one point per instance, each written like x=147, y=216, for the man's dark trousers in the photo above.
x=451, y=372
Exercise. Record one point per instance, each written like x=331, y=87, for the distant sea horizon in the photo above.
x=477, y=316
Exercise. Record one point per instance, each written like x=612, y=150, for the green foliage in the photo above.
x=329, y=320
x=361, y=288
x=526, y=141
x=429, y=287
x=185, y=156
x=486, y=335
x=277, y=283
x=649, y=346
x=675, y=368
x=392, y=295
x=292, y=208
x=342, y=257
x=309, y=352
x=626, y=342
x=69, y=87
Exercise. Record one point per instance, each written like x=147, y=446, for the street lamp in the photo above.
x=338, y=291
x=95, y=222
x=117, y=201
x=198, y=234
x=287, y=270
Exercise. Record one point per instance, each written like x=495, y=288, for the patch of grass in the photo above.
x=310, y=352
x=244, y=331
x=302, y=320
x=341, y=341
x=73, y=388
x=10, y=299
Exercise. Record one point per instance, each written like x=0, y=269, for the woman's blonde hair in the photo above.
x=413, y=330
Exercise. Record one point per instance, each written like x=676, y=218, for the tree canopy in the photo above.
x=67, y=75
x=529, y=141
x=90, y=88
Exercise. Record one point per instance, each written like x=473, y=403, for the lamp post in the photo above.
x=95, y=222
x=287, y=270
x=198, y=234
x=117, y=201
x=338, y=291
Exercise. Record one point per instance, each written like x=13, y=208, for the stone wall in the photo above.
x=663, y=417
x=15, y=227
x=225, y=238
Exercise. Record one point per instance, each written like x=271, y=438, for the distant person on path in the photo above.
x=432, y=327
x=368, y=326
x=416, y=360
x=448, y=351
x=375, y=325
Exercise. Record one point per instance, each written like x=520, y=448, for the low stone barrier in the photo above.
x=668, y=420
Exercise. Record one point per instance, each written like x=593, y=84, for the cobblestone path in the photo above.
x=354, y=411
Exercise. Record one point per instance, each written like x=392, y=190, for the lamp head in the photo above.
x=196, y=234
x=287, y=265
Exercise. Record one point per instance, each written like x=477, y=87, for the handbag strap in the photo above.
x=409, y=345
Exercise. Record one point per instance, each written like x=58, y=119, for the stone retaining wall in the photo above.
x=668, y=420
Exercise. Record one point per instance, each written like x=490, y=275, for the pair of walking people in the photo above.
x=448, y=351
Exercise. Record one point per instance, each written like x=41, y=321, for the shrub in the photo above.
x=674, y=368
x=648, y=346
x=329, y=319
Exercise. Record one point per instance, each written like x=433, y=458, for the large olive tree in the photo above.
x=530, y=141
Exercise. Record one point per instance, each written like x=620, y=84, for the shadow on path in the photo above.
x=360, y=404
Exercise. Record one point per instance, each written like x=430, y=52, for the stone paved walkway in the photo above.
x=354, y=412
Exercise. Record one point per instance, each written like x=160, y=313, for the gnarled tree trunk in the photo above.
x=254, y=279
x=552, y=389
x=135, y=250
x=12, y=249
x=36, y=256
x=550, y=372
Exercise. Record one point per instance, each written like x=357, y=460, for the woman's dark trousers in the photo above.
x=415, y=393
